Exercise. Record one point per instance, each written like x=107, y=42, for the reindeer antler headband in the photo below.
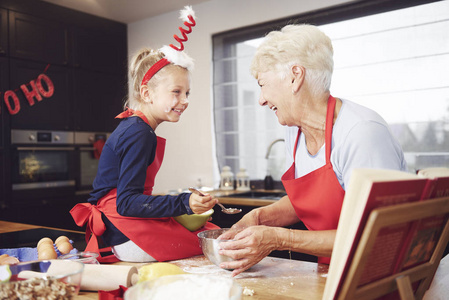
x=173, y=54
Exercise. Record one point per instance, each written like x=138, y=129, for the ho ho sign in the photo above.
x=37, y=88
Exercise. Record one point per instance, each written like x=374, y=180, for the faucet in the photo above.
x=271, y=145
x=268, y=181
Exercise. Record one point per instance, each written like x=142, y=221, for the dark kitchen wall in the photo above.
x=86, y=59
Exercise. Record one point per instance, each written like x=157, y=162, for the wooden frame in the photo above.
x=424, y=272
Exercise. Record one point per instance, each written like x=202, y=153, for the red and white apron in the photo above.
x=162, y=238
x=317, y=197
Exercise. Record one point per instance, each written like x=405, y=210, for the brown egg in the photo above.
x=45, y=246
x=5, y=259
x=47, y=253
x=44, y=240
x=61, y=239
x=65, y=247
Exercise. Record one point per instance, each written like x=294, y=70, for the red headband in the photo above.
x=154, y=69
x=188, y=16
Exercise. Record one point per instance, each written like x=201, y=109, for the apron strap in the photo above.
x=130, y=112
x=296, y=145
x=88, y=214
x=329, y=124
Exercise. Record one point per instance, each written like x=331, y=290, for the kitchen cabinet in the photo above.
x=52, y=113
x=4, y=79
x=3, y=134
x=51, y=213
x=87, y=56
x=87, y=60
x=2, y=175
x=98, y=99
x=38, y=39
x=99, y=50
x=3, y=32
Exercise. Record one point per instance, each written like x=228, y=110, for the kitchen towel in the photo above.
x=28, y=253
x=117, y=294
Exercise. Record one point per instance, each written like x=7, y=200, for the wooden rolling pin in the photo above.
x=95, y=277
x=108, y=277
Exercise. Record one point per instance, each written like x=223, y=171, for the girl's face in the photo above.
x=170, y=97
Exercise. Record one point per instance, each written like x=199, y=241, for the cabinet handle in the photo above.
x=2, y=52
x=45, y=148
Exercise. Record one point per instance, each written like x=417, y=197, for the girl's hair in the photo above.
x=140, y=63
x=304, y=45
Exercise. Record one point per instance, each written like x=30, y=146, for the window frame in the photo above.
x=319, y=17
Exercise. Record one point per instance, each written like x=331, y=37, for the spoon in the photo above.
x=229, y=211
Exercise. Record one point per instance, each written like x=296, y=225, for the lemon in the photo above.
x=158, y=269
x=5, y=273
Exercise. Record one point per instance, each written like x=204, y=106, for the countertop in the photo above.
x=272, y=278
x=222, y=195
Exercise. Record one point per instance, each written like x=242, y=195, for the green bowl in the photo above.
x=194, y=222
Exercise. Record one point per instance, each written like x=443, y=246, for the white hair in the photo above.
x=303, y=45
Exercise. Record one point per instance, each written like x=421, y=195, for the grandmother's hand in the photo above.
x=199, y=204
x=248, y=220
x=249, y=247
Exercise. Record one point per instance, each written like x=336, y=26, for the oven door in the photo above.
x=88, y=166
x=43, y=172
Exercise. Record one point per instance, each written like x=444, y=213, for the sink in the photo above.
x=257, y=195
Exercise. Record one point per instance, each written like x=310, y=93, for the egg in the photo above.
x=44, y=246
x=45, y=240
x=65, y=247
x=46, y=253
x=61, y=239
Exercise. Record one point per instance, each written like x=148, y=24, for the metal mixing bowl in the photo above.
x=209, y=244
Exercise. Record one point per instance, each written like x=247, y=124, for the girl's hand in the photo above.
x=199, y=204
x=249, y=247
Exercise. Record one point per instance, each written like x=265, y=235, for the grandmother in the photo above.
x=326, y=138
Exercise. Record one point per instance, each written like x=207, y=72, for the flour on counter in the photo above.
x=211, y=269
x=193, y=287
x=248, y=292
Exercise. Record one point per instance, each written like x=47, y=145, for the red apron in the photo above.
x=317, y=197
x=162, y=238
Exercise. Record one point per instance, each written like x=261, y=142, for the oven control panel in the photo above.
x=19, y=136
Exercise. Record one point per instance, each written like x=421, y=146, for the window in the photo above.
x=391, y=59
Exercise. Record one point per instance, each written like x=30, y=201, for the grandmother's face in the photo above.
x=275, y=93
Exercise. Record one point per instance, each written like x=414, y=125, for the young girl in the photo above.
x=121, y=210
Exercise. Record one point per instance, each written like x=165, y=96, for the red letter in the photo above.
x=15, y=100
x=48, y=82
x=31, y=94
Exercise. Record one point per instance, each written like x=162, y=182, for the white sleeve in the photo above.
x=370, y=144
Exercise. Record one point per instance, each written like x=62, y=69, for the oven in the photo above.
x=42, y=164
x=88, y=148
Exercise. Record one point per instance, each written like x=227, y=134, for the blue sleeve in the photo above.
x=370, y=145
x=136, y=150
